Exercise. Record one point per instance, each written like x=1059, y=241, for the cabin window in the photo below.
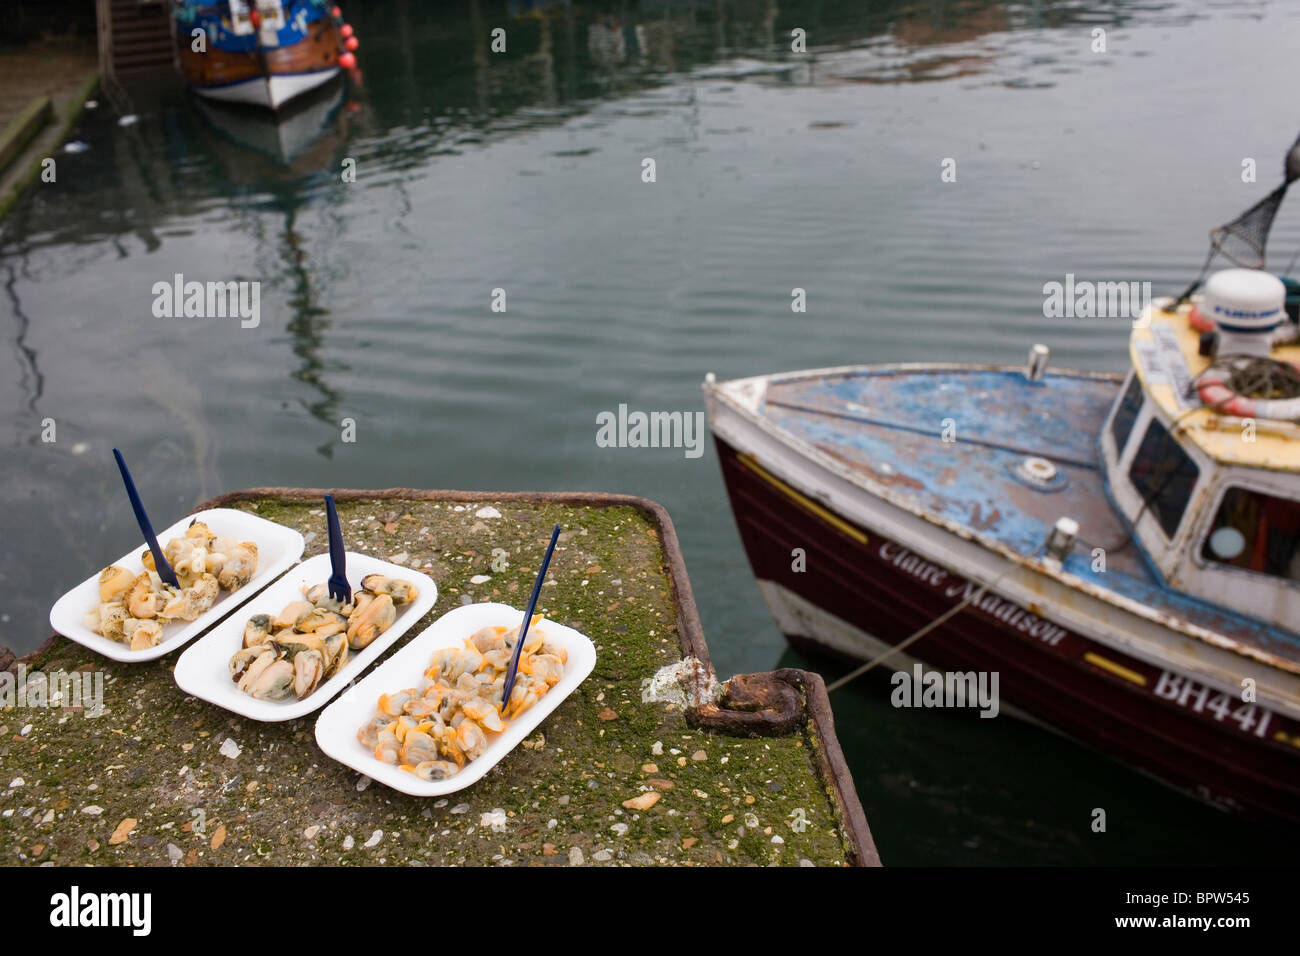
x=1256, y=532
x=1130, y=403
x=1164, y=476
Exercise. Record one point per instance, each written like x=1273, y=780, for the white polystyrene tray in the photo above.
x=337, y=726
x=278, y=548
x=204, y=669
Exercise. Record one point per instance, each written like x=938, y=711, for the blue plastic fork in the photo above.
x=528, y=616
x=339, y=588
x=160, y=563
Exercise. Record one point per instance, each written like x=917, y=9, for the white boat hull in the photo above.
x=270, y=92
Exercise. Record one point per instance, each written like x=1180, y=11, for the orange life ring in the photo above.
x=1212, y=386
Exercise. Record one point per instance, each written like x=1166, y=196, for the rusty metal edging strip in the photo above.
x=772, y=704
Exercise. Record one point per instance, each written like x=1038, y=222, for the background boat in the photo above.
x=264, y=54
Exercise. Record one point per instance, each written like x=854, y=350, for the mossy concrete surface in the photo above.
x=161, y=778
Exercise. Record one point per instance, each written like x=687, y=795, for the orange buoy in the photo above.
x=351, y=43
x=347, y=61
x=337, y=13
x=346, y=29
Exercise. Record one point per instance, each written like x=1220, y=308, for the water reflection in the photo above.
x=289, y=157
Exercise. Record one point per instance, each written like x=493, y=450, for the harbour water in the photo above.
x=498, y=275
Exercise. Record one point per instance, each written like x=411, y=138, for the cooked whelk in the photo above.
x=237, y=563
x=126, y=600
x=140, y=635
x=143, y=601
x=115, y=583
x=192, y=601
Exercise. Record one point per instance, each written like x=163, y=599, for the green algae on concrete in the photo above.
x=162, y=778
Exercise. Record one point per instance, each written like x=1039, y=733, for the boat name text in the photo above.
x=1008, y=612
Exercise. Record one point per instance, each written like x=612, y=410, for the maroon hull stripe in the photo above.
x=1190, y=737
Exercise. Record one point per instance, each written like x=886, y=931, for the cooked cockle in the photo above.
x=485, y=713
x=402, y=592
x=368, y=623
x=392, y=704
x=471, y=739
x=461, y=704
x=368, y=735
x=449, y=663
x=543, y=667
x=523, y=694
x=422, y=706
x=418, y=747
x=489, y=639
x=387, y=748
x=498, y=660
x=435, y=770
x=402, y=725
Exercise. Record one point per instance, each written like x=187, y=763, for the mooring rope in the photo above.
x=913, y=638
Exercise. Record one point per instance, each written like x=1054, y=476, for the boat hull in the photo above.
x=270, y=92
x=843, y=586
x=267, y=68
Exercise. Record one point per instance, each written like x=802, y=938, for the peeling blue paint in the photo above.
x=889, y=425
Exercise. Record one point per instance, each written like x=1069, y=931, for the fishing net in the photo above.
x=1244, y=240
x=1264, y=378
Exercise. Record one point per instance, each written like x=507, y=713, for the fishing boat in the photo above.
x=1123, y=551
x=264, y=53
